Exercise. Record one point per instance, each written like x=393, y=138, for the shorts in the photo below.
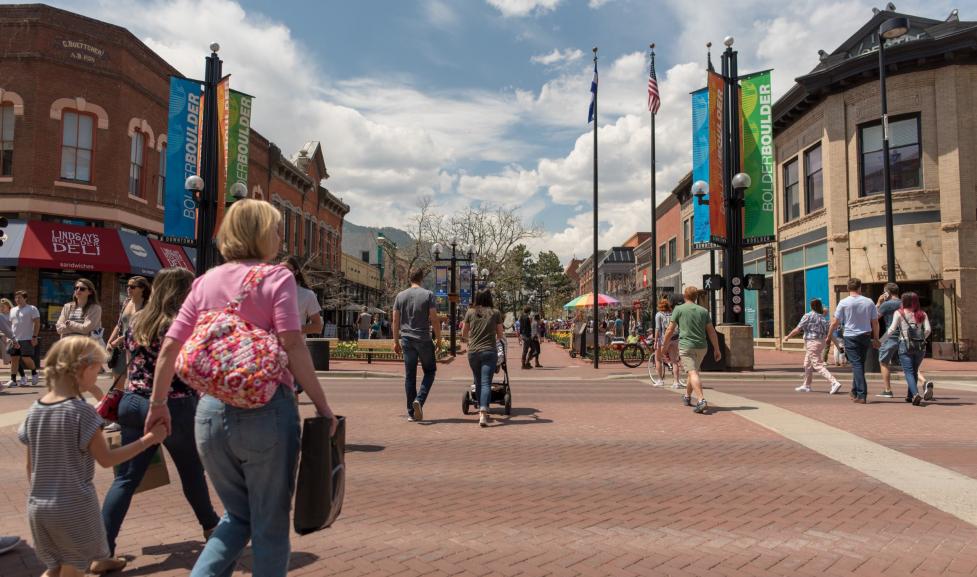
x=889, y=351
x=26, y=349
x=691, y=359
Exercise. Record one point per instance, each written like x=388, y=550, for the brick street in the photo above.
x=588, y=477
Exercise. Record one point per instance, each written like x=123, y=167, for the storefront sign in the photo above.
x=700, y=165
x=717, y=193
x=141, y=256
x=771, y=259
x=170, y=255
x=82, y=52
x=182, y=157
x=64, y=246
x=758, y=161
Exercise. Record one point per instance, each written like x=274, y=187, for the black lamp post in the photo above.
x=889, y=30
x=467, y=256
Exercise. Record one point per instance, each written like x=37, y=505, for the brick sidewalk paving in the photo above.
x=603, y=478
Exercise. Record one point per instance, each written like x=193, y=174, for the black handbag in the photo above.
x=321, y=483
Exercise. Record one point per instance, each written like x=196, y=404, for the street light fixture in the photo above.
x=891, y=29
x=239, y=191
x=741, y=181
x=699, y=190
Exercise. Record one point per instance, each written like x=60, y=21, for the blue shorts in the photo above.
x=889, y=350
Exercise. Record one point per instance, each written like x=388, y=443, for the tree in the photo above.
x=554, y=283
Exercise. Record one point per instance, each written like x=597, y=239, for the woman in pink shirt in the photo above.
x=250, y=455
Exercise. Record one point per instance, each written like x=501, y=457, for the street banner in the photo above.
x=238, y=139
x=757, y=102
x=441, y=281
x=223, y=111
x=182, y=158
x=465, y=284
x=700, y=165
x=717, y=195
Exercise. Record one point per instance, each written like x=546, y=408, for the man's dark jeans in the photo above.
x=423, y=351
x=856, y=349
x=182, y=448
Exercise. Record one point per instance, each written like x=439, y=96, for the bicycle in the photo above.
x=633, y=354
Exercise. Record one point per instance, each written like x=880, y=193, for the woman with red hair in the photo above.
x=913, y=327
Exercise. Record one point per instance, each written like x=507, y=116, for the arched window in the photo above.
x=137, y=163
x=6, y=138
x=77, y=145
x=161, y=177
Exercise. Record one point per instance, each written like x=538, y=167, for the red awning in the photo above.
x=65, y=246
x=171, y=255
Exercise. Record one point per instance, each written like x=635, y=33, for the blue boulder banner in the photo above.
x=700, y=166
x=182, y=158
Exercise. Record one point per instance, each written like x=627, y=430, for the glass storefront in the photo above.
x=8, y=284
x=759, y=304
x=804, y=277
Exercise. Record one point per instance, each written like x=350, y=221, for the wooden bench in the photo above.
x=370, y=346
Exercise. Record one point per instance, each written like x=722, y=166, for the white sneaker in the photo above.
x=803, y=388
x=678, y=385
x=23, y=382
x=835, y=387
x=34, y=379
x=10, y=384
x=656, y=382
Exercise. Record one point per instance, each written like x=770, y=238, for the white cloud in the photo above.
x=440, y=14
x=513, y=185
x=518, y=8
x=558, y=57
x=595, y=4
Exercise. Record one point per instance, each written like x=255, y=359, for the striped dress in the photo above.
x=63, y=508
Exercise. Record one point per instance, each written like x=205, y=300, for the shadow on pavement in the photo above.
x=497, y=418
x=716, y=409
x=364, y=448
x=181, y=556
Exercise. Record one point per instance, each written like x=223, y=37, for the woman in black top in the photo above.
x=482, y=329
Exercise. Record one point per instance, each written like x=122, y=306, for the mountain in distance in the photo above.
x=357, y=239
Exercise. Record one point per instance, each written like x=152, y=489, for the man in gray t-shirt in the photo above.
x=415, y=317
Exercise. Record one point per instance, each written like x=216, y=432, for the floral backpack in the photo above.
x=231, y=359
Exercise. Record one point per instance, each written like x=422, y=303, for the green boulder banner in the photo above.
x=758, y=161
x=238, y=140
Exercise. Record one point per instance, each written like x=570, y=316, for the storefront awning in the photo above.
x=142, y=258
x=10, y=251
x=171, y=255
x=54, y=245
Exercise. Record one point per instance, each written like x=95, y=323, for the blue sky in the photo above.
x=473, y=101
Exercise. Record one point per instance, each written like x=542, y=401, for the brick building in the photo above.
x=83, y=109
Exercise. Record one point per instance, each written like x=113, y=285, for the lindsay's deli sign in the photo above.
x=56, y=245
x=67, y=242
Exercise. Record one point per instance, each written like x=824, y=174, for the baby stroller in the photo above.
x=501, y=395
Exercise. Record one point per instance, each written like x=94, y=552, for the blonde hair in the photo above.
x=6, y=302
x=245, y=228
x=170, y=288
x=68, y=356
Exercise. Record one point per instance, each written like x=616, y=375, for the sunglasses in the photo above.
x=81, y=288
x=132, y=286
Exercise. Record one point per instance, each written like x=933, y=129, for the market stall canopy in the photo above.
x=587, y=300
x=10, y=251
x=142, y=259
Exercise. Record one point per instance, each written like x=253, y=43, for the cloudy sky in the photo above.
x=469, y=101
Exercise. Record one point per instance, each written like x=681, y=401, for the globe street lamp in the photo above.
x=195, y=185
x=700, y=190
x=466, y=256
x=889, y=30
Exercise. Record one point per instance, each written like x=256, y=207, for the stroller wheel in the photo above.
x=465, y=403
x=508, y=403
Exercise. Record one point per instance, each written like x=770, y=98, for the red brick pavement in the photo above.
x=606, y=478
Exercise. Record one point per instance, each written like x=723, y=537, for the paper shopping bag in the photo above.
x=321, y=483
x=156, y=474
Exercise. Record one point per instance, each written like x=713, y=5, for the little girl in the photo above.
x=63, y=434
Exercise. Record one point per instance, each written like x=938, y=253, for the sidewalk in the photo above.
x=557, y=364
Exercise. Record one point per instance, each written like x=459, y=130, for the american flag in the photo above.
x=654, y=100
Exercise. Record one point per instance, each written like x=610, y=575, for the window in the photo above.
x=814, y=180
x=287, y=220
x=792, y=199
x=6, y=140
x=297, y=230
x=687, y=237
x=672, y=250
x=161, y=177
x=323, y=237
x=77, y=146
x=661, y=256
x=904, y=165
x=365, y=256
x=137, y=149
x=308, y=237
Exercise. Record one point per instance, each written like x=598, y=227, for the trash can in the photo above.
x=319, y=349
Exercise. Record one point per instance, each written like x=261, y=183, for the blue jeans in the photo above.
x=414, y=350
x=182, y=449
x=363, y=334
x=250, y=455
x=910, y=366
x=856, y=349
x=483, y=367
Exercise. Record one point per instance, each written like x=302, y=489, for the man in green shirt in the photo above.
x=694, y=326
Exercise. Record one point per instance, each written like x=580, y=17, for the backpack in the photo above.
x=231, y=359
x=913, y=337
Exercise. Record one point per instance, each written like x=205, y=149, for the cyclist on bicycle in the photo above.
x=665, y=353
